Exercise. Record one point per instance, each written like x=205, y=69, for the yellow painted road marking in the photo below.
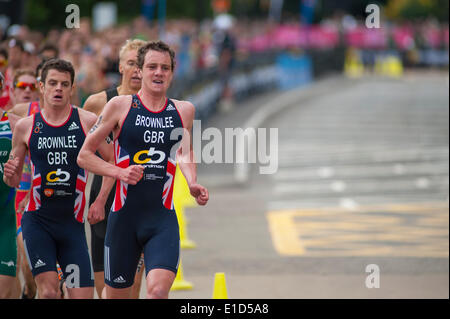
x=285, y=234
x=382, y=230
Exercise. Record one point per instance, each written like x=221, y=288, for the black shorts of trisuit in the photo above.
x=132, y=231
x=48, y=241
x=98, y=231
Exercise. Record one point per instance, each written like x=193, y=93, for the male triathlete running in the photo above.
x=150, y=134
x=52, y=224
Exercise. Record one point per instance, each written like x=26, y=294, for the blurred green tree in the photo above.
x=417, y=9
x=45, y=14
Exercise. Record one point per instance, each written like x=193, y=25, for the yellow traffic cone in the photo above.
x=181, y=190
x=179, y=283
x=394, y=67
x=353, y=67
x=185, y=242
x=220, y=286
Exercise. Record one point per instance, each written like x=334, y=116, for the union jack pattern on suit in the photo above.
x=122, y=160
x=80, y=201
x=167, y=195
x=35, y=196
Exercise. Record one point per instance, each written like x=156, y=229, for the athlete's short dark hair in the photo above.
x=60, y=65
x=159, y=46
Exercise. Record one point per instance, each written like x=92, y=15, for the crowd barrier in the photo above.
x=261, y=72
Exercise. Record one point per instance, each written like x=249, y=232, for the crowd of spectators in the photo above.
x=198, y=45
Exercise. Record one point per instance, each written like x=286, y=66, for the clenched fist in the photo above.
x=12, y=171
x=132, y=174
x=200, y=194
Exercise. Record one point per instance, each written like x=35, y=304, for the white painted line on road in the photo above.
x=399, y=169
x=241, y=170
x=287, y=99
x=377, y=156
x=325, y=172
x=356, y=171
x=361, y=200
x=338, y=186
x=365, y=186
x=348, y=203
x=422, y=183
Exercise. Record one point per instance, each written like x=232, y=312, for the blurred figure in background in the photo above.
x=25, y=88
x=48, y=51
x=3, y=60
x=91, y=78
x=29, y=59
x=226, y=50
x=15, y=51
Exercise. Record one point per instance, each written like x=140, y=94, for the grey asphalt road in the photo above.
x=362, y=180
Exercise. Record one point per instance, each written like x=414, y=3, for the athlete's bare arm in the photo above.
x=95, y=103
x=20, y=109
x=110, y=120
x=185, y=154
x=97, y=210
x=13, y=119
x=88, y=120
x=14, y=166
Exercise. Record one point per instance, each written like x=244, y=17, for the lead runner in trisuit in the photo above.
x=52, y=225
x=148, y=135
x=99, y=200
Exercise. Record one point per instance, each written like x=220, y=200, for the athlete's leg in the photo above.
x=9, y=289
x=159, y=282
x=138, y=279
x=122, y=253
x=97, y=247
x=30, y=288
x=16, y=287
x=73, y=257
x=99, y=279
x=161, y=254
x=80, y=293
x=48, y=285
x=98, y=232
x=40, y=251
x=8, y=249
x=117, y=293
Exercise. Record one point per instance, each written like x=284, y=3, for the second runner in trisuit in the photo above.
x=146, y=154
x=53, y=229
